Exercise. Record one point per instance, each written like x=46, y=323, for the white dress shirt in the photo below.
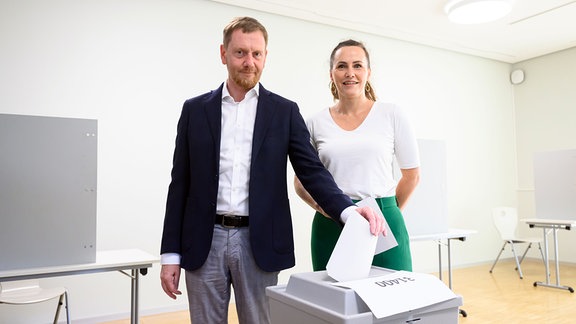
x=235, y=152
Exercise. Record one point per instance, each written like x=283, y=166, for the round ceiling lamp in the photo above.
x=477, y=11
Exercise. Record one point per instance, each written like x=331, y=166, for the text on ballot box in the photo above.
x=384, y=297
x=403, y=291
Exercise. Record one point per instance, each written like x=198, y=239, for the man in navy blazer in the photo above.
x=228, y=216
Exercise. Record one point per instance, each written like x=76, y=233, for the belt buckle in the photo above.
x=229, y=217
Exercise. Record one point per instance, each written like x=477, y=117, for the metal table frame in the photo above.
x=452, y=234
x=551, y=225
x=135, y=260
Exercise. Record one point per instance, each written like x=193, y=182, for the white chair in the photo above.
x=506, y=222
x=24, y=292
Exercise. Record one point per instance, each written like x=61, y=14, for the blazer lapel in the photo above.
x=213, y=110
x=264, y=112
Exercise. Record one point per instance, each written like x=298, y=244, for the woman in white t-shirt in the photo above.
x=358, y=139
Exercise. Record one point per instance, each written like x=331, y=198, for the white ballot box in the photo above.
x=401, y=297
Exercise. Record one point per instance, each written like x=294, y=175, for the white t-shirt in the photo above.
x=361, y=160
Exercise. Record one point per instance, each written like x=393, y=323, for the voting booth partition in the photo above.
x=48, y=189
x=315, y=298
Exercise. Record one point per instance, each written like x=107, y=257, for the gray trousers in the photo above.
x=230, y=263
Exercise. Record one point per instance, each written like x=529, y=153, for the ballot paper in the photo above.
x=352, y=256
x=399, y=292
x=384, y=242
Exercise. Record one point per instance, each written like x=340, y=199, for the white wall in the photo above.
x=131, y=64
x=545, y=115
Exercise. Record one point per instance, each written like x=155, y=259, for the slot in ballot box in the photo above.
x=312, y=298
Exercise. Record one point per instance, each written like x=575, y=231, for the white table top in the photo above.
x=545, y=221
x=105, y=261
x=452, y=233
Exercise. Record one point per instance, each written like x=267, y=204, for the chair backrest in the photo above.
x=506, y=221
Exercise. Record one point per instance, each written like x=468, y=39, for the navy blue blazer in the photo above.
x=279, y=133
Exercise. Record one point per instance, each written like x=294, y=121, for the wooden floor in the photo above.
x=489, y=298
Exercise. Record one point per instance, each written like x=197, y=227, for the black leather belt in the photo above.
x=231, y=221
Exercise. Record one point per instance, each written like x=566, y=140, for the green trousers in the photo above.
x=325, y=233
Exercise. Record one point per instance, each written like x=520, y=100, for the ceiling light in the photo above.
x=477, y=11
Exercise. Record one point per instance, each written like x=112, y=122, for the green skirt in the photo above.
x=325, y=233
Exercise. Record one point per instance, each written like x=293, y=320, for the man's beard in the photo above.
x=246, y=83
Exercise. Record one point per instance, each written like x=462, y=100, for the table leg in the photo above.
x=440, y=259
x=554, y=230
x=555, y=235
x=449, y=265
x=461, y=311
x=134, y=297
x=546, y=256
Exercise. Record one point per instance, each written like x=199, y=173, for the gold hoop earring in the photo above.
x=333, y=89
x=367, y=88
